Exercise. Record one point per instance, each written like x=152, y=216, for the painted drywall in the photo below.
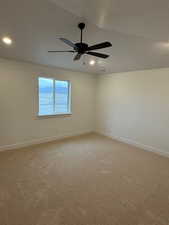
x=19, y=124
x=134, y=107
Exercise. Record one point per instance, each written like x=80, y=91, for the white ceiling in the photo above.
x=138, y=31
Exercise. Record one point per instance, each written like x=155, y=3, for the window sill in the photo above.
x=53, y=115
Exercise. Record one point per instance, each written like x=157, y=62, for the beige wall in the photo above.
x=19, y=123
x=134, y=107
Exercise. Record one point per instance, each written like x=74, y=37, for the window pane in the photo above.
x=61, y=96
x=46, y=99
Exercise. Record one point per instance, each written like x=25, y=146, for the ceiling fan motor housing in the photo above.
x=81, y=47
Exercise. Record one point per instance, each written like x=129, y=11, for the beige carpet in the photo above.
x=89, y=180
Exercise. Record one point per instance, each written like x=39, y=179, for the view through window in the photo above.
x=54, y=96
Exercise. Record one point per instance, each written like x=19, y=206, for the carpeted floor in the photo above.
x=88, y=180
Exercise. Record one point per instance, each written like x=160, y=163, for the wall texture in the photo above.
x=134, y=107
x=19, y=124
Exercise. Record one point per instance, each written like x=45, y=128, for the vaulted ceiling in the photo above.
x=138, y=31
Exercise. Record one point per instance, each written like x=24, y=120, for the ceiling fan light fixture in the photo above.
x=92, y=62
x=7, y=40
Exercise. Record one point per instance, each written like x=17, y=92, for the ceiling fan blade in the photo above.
x=99, y=46
x=62, y=51
x=70, y=43
x=97, y=54
x=77, y=57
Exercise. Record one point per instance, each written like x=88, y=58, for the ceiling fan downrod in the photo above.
x=81, y=27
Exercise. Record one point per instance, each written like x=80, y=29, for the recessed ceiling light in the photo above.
x=92, y=62
x=7, y=40
x=162, y=45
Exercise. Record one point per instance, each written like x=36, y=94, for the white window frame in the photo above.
x=69, y=98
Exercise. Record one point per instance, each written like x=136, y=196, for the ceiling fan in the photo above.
x=82, y=48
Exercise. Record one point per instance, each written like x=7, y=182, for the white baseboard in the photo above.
x=41, y=141
x=55, y=138
x=136, y=144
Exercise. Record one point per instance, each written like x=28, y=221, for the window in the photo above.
x=54, y=97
